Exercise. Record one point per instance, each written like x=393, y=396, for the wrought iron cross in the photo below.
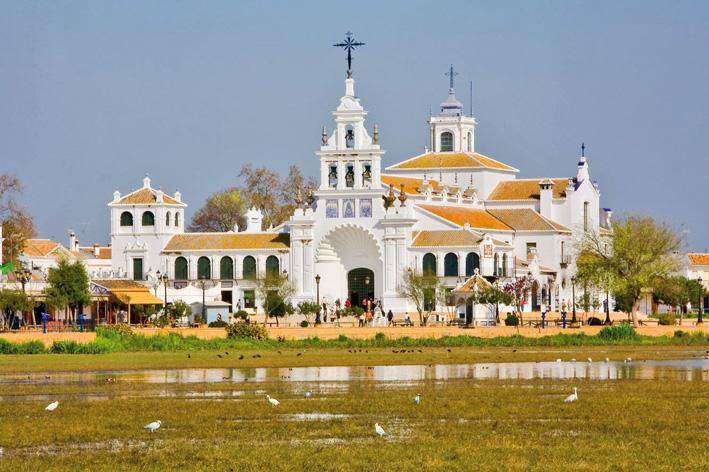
x=583, y=149
x=349, y=44
x=451, y=73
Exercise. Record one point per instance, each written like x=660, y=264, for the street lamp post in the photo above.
x=203, y=286
x=163, y=278
x=608, y=307
x=24, y=276
x=573, y=299
x=700, y=320
x=317, y=294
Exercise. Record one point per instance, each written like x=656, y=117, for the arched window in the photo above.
x=177, y=219
x=472, y=262
x=504, y=265
x=126, y=218
x=272, y=265
x=226, y=268
x=167, y=219
x=470, y=141
x=204, y=268
x=450, y=265
x=181, y=272
x=495, y=265
x=429, y=264
x=446, y=141
x=148, y=218
x=249, y=268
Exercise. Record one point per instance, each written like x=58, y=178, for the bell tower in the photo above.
x=452, y=130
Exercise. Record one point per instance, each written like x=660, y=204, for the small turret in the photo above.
x=254, y=221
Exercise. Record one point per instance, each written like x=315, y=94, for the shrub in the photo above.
x=680, y=334
x=355, y=311
x=247, y=331
x=114, y=331
x=198, y=319
x=343, y=339
x=618, y=333
x=218, y=324
x=594, y=321
x=380, y=337
x=304, y=324
x=511, y=320
x=667, y=319
x=241, y=314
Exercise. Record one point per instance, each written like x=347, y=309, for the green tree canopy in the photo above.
x=68, y=286
x=637, y=253
x=419, y=288
x=222, y=211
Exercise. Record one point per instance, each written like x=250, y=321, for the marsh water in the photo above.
x=696, y=369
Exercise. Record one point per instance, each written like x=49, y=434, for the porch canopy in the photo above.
x=124, y=293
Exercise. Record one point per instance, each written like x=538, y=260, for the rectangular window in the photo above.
x=531, y=247
x=365, y=208
x=331, y=209
x=249, y=299
x=138, y=268
x=348, y=208
x=332, y=176
x=585, y=216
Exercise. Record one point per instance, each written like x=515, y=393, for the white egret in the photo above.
x=573, y=360
x=572, y=398
x=590, y=360
x=558, y=360
x=272, y=401
x=417, y=399
x=379, y=430
x=152, y=427
x=607, y=360
x=52, y=406
x=308, y=394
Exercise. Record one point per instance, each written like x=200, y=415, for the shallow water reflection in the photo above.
x=334, y=377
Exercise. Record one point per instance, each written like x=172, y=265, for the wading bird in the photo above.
x=52, y=406
x=152, y=427
x=417, y=399
x=308, y=394
x=590, y=360
x=272, y=401
x=572, y=398
x=379, y=430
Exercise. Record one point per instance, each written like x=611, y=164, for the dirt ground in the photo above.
x=329, y=332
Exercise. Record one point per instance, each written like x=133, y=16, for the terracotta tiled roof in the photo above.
x=476, y=218
x=104, y=252
x=526, y=219
x=445, y=238
x=146, y=196
x=476, y=280
x=227, y=241
x=525, y=189
x=412, y=185
x=698, y=258
x=40, y=247
x=120, y=284
x=451, y=160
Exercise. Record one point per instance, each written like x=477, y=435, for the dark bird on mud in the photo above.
x=395, y=352
x=226, y=352
x=420, y=350
x=449, y=350
x=279, y=352
x=219, y=356
x=514, y=350
x=299, y=354
x=225, y=378
x=189, y=356
x=241, y=356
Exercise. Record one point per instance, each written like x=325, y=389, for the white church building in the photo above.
x=450, y=211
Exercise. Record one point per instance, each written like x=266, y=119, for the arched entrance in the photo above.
x=360, y=285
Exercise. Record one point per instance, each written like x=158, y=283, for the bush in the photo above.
x=680, y=334
x=304, y=324
x=241, y=314
x=246, y=331
x=218, y=324
x=380, y=337
x=620, y=332
x=594, y=321
x=511, y=320
x=355, y=311
x=667, y=319
x=28, y=347
x=343, y=339
x=114, y=331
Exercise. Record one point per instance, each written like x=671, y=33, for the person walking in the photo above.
x=390, y=318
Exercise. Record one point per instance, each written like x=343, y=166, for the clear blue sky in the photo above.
x=95, y=94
